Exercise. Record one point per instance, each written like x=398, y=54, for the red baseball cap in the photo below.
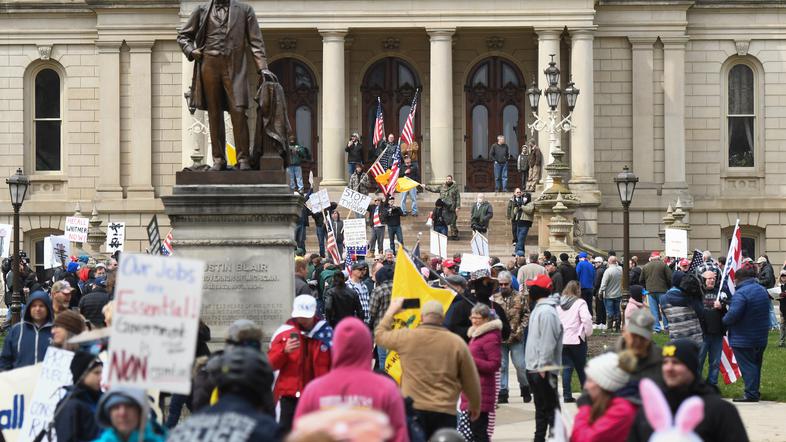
x=684, y=262
x=655, y=254
x=542, y=281
x=448, y=263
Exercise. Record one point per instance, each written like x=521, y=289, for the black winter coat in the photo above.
x=77, y=419
x=568, y=273
x=231, y=418
x=767, y=276
x=457, y=317
x=341, y=302
x=92, y=304
x=354, y=152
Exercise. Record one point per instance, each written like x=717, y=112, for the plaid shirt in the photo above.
x=363, y=294
x=380, y=301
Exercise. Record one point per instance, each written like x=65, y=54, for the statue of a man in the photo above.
x=535, y=167
x=217, y=37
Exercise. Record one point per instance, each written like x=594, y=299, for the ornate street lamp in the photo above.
x=17, y=185
x=571, y=95
x=626, y=185
x=533, y=93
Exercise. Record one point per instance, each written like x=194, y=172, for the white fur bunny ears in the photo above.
x=666, y=429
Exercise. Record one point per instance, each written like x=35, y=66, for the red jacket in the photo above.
x=614, y=425
x=486, y=349
x=351, y=383
x=310, y=360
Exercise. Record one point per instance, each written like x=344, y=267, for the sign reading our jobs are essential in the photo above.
x=76, y=229
x=354, y=201
x=155, y=322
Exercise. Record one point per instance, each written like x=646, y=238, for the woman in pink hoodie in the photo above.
x=352, y=383
x=635, y=302
x=577, y=327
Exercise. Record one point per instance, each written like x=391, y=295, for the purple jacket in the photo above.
x=485, y=347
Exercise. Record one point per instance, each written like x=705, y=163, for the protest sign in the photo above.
x=154, y=237
x=56, y=251
x=16, y=390
x=438, y=244
x=155, y=321
x=313, y=203
x=480, y=245
x=5, y=240
x=115, y=237
x=355, y=232
x=471, y=262
x=677, y=243
x=40, y=410
x=354, y=201
x=76, y=229
x=324, y=199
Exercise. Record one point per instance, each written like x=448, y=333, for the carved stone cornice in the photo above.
x=391, y=44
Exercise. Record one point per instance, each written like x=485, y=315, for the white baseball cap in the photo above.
x=305, y=306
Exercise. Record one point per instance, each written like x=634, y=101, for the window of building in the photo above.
x=480, y=131
x=741, y=116
x=47, y=121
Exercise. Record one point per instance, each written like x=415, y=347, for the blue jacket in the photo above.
x=26, y=344
x=749, y=315
x=586, y=273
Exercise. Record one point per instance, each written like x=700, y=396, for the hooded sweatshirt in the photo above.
x=26, y=343
x=544, y=338
x=575, y=318
x=351, y=383
x=152, y=433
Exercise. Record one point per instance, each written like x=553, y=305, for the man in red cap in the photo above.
x=449, y=268
x=543, y=354
x=679, y=271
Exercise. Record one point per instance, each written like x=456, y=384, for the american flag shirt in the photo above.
x=365, y=297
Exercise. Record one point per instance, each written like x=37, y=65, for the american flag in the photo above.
x=696, y=262
x=728, y=363
x=394, y=171
x=332, y=247
x=166, y=246
x=379, y=125
x=408, y=133
x=381, y=164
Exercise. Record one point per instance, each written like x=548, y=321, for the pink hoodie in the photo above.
x=632, y=306
x=352, y=383
x=576, y=320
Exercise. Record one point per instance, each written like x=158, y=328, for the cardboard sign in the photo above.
x=154, y=237
x=677, y=243
x=480, y=245
x=56, y=251
x=438, y=244
x=16, y=390
x=355, y=232
x=319, y=201
x=115, y=237
x=55, y=373
x=76, y=229
x=354, y=201
x=155, y=322
x=6, y=230
x=471, y=262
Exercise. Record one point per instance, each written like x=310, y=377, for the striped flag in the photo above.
x=380, y=165
x=379, y=125
x=696, y=262
x=728, y=364
x=166, y=246
x=332, y=246
x=390, y=187
x=408, y=133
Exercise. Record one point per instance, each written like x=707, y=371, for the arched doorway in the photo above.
x=300, y=88
x=394, y=81
x=495, y=105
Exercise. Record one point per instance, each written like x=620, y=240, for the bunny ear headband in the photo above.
x=689, y=414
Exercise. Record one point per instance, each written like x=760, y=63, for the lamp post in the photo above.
x=626, y=185
x=17, y=185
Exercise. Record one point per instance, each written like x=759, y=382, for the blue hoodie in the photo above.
x=26, y=343
x=586, y=273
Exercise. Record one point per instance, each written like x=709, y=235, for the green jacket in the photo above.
x=298, y=154
x=450, y=195
x=520, y=212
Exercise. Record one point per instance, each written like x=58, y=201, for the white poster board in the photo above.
x=155, y=321
x=55, y=373
x=6, y=230
x=471, y=262
x=354, y=201
x=355, y=232
x=115, y=237
x=438, y=244
x=76, y=229
x=56, y=251
x=677, y=243
x=16, y=390
x=480, y=245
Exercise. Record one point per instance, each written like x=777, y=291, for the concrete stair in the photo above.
x=499, y=233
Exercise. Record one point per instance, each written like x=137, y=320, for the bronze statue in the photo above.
x=218, y=37
x=535, y=167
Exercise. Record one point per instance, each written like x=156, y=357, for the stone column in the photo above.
x=334, y=131
x=643, y=109
x=141, y=176
x=674, y=112
x=548, y=44
x=109, y=120
x=582, y=137
x=441, y=104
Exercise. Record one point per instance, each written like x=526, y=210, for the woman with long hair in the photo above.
x=576, y=322
x=609, y=414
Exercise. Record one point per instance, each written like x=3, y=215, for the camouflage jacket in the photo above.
x=517, y=310
x=451, y=195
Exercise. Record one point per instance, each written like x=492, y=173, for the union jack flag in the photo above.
x=332, y=246
x=166, y=246
x=379, y=125
x=408, y=133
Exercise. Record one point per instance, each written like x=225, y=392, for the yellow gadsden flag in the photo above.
x=403, y=184
x=409, y=283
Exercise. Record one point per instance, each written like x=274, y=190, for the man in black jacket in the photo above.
x=567, y=269
x=92, y=305
x=392, y=217
x=480, y=289
x=76, y=420
x=341, y=301
x=500, y=152
x=354, y=152
x=411, y=171
x=681, y=377
x=712, y=326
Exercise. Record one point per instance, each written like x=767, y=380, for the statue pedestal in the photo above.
x=245, y=235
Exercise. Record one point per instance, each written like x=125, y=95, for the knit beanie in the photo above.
x=81, y=362
x=71, y=321
x=611, y=371
x=685, y=351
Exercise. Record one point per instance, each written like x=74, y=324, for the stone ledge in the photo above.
x=230, y=177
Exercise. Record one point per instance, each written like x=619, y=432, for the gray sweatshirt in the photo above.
x=611, y=284
x=544, y=337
